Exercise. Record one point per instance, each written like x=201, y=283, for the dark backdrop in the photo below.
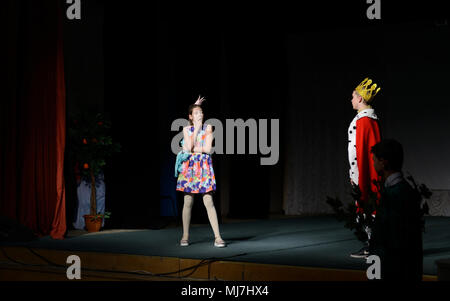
x=407, y=60
x=251, y=60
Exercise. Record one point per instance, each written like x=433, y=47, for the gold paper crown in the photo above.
x=366, y=92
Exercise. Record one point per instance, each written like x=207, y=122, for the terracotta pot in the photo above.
x=92, y=225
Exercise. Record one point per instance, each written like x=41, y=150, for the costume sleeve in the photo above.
x=367, y=135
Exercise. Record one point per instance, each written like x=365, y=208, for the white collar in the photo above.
x=367, y=112
x=393, y=179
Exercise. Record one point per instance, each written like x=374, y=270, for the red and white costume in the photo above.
x=363, y=133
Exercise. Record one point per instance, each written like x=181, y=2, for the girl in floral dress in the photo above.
x=197, y=174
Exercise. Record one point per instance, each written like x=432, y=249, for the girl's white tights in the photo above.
x=212, y=214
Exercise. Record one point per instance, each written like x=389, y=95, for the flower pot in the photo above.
x=93, y=224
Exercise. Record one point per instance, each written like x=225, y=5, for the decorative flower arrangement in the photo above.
x=90, y=145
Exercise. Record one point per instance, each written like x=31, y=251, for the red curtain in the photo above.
x=33, y=129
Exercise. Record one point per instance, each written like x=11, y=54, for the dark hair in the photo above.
x=191, y=109
x=391, y=151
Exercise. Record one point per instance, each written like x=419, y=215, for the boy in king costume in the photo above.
x=363, y=133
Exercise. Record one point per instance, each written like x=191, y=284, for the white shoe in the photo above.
x=184, y=243
x=219, y=244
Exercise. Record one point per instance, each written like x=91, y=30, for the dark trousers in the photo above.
x=401, y=265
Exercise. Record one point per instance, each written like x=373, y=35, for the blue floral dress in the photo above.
x=197, y=175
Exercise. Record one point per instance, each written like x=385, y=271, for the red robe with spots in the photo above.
x=367, y=135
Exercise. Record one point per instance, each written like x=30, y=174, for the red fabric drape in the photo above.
x=59, y=218
x=33, y=191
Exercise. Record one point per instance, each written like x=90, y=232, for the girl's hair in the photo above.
x=191, y=109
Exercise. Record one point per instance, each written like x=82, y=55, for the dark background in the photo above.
x=144, y=63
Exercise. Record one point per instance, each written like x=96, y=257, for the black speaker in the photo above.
x=11, y=230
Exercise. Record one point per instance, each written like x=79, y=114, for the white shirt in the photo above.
x=393, y=179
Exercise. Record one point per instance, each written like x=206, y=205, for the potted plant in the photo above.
x=90, y=146
x=349, y=214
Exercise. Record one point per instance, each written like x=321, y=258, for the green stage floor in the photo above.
x=301, y=241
